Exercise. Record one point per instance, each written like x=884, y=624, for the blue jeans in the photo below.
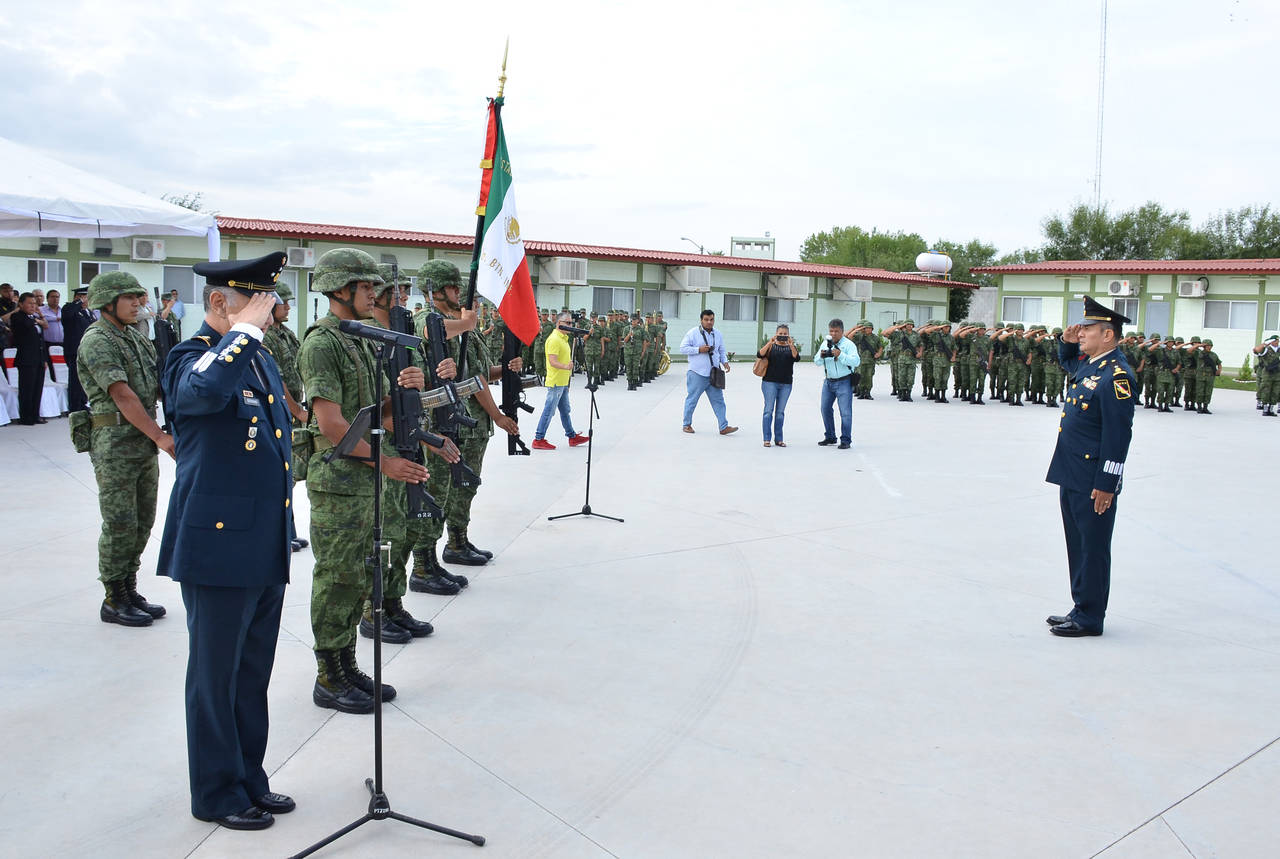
x=697, y=385
x=557, y=400
x=838, y=391
x=776, y=395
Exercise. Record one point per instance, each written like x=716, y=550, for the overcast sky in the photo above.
x=636, y=124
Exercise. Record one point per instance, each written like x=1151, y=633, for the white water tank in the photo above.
x=933, y=263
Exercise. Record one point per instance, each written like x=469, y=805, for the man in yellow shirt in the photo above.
x=559, y=369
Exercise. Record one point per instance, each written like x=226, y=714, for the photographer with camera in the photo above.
x=559, y=357
x=780, y=354
x=839, y=360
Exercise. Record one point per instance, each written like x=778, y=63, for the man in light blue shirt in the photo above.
x=173, y=311
x=838, y=359
x=705, y=348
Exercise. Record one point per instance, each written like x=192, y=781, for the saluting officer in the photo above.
x=227, y=536
x=1088, y=462
x=117, y=367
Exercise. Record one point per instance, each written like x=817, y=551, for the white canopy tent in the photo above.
x=43, y=197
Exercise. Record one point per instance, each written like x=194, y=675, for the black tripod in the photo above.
x=591, y=437
x=379, y=806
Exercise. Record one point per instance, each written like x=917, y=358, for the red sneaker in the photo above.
x=542, y=444
x=577, y=440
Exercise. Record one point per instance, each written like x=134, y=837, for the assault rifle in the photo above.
x=513, y=386
x=451, y=414
x=407, y=414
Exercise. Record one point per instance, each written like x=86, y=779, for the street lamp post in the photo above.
x=700, y=248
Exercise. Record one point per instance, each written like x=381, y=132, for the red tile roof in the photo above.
x=331, y=232
x=1140, y=266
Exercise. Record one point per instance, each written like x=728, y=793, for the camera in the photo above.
x=826, y=352
x=578, y=317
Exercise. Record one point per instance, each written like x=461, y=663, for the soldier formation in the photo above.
x=616, y=343
x=1013, y=364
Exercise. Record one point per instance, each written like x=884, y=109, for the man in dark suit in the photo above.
x=76, y=319
x=227, y=536
x=1088, y=462
x=28, y=337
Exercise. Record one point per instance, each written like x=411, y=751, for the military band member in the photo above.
x=1088, y=462
x=227, y=536
x=117, y=367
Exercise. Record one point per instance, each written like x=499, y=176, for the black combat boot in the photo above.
x=395, y=610
x=358, y=678
x=979, y=401
x=1017, y=402
x=466, y=540
x=456, y=551
x=391, y=631
x=1268, y=412
x=139, y=602
x=1053, y=403
x=426, y=578
x=333, y=690
x=118, y=608
x=942, y=398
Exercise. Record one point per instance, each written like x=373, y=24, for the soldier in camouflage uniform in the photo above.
x=1268, y=352
x=282, y=344
x=446, y=283
x=1035, y=372
x=927, y=351
x=1054, y=374
x=1208, y=368
x=869, y=349
x=977, y=356
x=338, y=375
x=1190, y=373
x=904, y=350
x=633, y=348
x=944, y=355
x=117, y=367
x=1019, y=356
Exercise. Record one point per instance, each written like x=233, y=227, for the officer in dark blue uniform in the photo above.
x=76, y=319
x=227, y=536
x=1088, y=462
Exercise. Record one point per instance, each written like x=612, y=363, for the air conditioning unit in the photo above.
x=571, y=271
x=102, y=247
x=1191, y=289
x=689, y=278
x=787, y=286
x=48, y=246
x=851, y=290
x=1122, y=288
x=148, y=250
x=301, y=257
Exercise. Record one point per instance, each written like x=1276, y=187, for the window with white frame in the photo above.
x=779, y=310
x=652, y=300
x=1271, y=316
x=1020, y=309
x=90, y=270
x=46, y=271
x=190, y=285
x=1231, y=314
x=1127, y=307
x=606, y=298
x=922, y=313
x=739, y=308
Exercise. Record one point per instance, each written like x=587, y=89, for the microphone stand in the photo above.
x=370, y=418
x=591, y=435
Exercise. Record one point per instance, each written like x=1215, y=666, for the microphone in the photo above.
x=373, y=332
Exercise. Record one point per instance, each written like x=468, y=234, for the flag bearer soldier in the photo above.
x=1088, y=462
x=227, y=536
x=117, y=367
x=338, y=375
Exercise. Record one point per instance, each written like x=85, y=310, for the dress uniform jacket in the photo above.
x=229, y=523
x=227, y=541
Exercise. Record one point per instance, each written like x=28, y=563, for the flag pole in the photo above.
x=486, y=164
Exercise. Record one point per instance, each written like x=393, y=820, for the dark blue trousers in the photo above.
x=233, y=633
x=1088, y=555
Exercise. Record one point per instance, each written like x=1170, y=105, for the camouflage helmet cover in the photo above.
x=341, y=266
x=285, y=293
x=108, y=286
x=391, y=276
x=436, y=274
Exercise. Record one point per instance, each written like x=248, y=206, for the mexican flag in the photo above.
x=502, y=275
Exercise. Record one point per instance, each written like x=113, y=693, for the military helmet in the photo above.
x=342, y=266
x=1195, y=339
x=1057, y=331
x=110, y=285
x=1155, y=337
x=285, y=293
x=908, y=322
x=1207, y=342
x=391, y=275
x=436, y=274
x=1140, y=335
x=1019, y=327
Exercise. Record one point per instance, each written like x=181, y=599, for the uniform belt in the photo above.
x=115, y=419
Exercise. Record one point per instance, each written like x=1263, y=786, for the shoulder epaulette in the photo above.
x=206, y=340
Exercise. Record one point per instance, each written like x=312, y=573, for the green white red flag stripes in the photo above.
x=502, y=275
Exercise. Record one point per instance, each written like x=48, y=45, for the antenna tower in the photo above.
x=1102, y=92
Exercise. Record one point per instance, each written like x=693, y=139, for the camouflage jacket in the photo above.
x=337, y=368
x=108, y=355
x=283, y=345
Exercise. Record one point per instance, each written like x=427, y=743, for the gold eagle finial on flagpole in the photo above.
x=502, y=78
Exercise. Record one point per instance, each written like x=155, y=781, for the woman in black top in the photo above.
x=783, y=353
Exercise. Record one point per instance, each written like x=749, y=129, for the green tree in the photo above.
x=1246, y=233
x=192, y=201
x=1147, y=232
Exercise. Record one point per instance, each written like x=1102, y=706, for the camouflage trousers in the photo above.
x=1269, y=388
x=632, y=357
x=1190, y=384
x=941, y=372
x=926, y=372
x=341, y=538
x=866, y=374
x=1164, y=387
x=455, y=501
x=1038, y=377
x=1205, y=380
x=1053, y=378
x=127, y=489
x=975, y=376
x=401, y=532
x=1016, y=381
x=904, y=375
x=1149, y=383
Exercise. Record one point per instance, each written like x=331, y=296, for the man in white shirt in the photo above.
x=705, y=348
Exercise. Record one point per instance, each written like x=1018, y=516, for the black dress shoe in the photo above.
x=276, y=803
x=296, y=545
x=432, y=585
x=844, y=445
x=463, y=556
x=251, y=818
x=1057, y=619
x=301, y=542
x=1071, y=629
x=391, y=632
x=479, y=551
x=42, y=420
x=826, y=441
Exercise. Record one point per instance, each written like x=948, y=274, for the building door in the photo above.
x=1156, y=318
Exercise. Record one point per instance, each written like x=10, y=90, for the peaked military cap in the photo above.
x=247, y=276
x=79, y=289
x=1095, y=313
